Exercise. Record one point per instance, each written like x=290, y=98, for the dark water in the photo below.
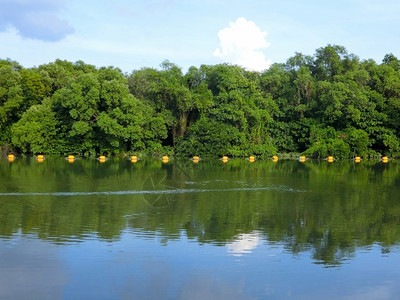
x=240, y=230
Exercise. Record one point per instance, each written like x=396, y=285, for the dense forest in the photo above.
x=331, y=103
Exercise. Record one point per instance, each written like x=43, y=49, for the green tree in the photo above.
x=178, y=98
x=392, y=61
x=11, y=97
x=239, y=118
x=35, y=132
x=34, y=87
x=76, y=108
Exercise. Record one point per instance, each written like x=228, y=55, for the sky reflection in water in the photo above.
x=233, y=232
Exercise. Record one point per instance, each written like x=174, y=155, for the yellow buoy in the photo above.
x=71, y=157
x=165, y=159
x=134, y=158
x=102, y=159
x=357, y=159
x=252, y=158
x=385, y=159
x=196, y=159
x=302, y=158
x=330, y=159
x=225, y=159
x=275, y=158
x=40, y=157
x=11, y=157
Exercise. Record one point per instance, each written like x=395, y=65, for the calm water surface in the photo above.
x=240, y=230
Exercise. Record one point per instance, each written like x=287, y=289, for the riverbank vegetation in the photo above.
x=331, y=103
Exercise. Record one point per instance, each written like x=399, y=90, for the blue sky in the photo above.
x=135, y=34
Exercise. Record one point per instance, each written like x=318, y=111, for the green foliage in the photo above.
x=35, y=132
x=358, y=140
x=97, y=112
x=208, y=137
x=330, y=103
x=178, y=98
x=331, y=147
x=238, y=122
x=11, y=98
x=327, y=142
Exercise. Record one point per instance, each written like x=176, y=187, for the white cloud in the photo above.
x=240, y=44
x=34, y=19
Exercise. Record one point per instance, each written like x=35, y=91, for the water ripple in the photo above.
x=157, y=192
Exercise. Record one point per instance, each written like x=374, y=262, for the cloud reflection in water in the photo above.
x=244, y=244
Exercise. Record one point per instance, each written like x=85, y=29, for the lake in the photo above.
x=207, y=230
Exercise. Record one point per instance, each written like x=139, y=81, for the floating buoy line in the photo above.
x=195, y=159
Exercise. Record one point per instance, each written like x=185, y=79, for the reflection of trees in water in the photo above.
x=158, y=187
x=347, y=206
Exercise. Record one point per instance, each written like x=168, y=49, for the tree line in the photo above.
x=331, y=103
